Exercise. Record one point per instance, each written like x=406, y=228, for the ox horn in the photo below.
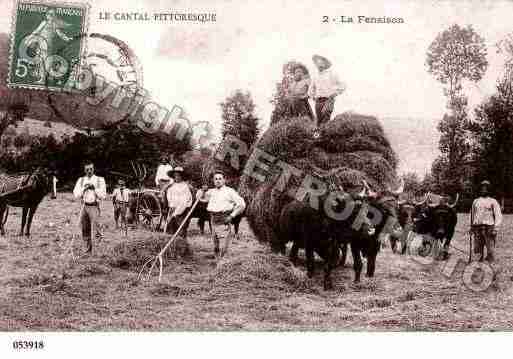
x=364, y=190
x=423, y=201
x=432, y=205
x=401, y=202
x=368, y=189
x=455, y=201
x=399, y=190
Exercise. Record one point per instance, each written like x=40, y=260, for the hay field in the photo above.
x=42, y=289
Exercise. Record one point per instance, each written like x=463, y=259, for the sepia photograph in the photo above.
x=174, y=166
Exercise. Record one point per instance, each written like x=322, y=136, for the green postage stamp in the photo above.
x=47, y=43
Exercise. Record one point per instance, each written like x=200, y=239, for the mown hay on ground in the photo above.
x=256, y=271
x=132, y=255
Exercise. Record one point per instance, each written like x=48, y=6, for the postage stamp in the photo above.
x=40, y=30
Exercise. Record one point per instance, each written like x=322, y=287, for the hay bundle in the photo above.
x=349, y=148
x=132, y=255
x=256, y=271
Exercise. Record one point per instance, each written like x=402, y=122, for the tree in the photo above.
x=239, y=119
x=412, y=183
x=492, y=131
x=456, y=54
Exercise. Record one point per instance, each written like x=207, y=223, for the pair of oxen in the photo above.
x=358, y=221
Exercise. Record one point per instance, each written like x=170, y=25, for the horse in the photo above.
x=25, y=191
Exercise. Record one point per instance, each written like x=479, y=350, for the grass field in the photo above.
x=44, y=288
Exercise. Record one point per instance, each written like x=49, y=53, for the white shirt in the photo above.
x=121, y=196
x=162, y=171
x=179, y=197
x=225, y=199
x=326, y=84
x=90, y=196
x=486, y=210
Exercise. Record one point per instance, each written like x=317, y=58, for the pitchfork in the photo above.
x=159, y=257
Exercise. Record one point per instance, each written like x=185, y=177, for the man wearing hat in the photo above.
x=485, y=218
x=179, y=199
x=120, y=198
x=162, y=179
x=297, y=93
x=324, y=88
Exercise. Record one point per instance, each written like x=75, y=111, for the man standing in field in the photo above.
x=162, y=179
x=485, y=218
x=91, y=190
x=120, y=199
x=224, y=203
x=179, y=199
x=324, y=88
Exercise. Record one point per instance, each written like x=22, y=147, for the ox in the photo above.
x=440, y=219
x=318, y=232
x=411, y=217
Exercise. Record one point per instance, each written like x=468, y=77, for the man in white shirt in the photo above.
x=179, y=199
x=485, y=218
x=162, y=179
x=224, y=203
x=324, y=88
x=91, y=190
x=120, y=199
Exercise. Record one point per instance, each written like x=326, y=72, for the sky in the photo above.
x=196, y=66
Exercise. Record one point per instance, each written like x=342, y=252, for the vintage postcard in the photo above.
x=250, y=166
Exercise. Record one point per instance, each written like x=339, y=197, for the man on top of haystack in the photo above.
x=324, y=88
x=297, y=93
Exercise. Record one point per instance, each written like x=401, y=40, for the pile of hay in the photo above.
x=132, y=255
x=256, y=271
x=351, y=147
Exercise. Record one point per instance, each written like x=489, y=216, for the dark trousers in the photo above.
x=300, y=107
x=181, y=246
x=484, y=237
x=323, y=109
x=120, y=210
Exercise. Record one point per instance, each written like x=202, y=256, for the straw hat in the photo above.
x=316, y=58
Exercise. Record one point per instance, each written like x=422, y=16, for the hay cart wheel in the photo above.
x=149, y=210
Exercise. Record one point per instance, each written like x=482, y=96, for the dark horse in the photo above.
x=26, y=192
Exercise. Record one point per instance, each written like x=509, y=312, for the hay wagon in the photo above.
x=148, y=207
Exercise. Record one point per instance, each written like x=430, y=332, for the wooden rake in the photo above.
x=152, y=262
